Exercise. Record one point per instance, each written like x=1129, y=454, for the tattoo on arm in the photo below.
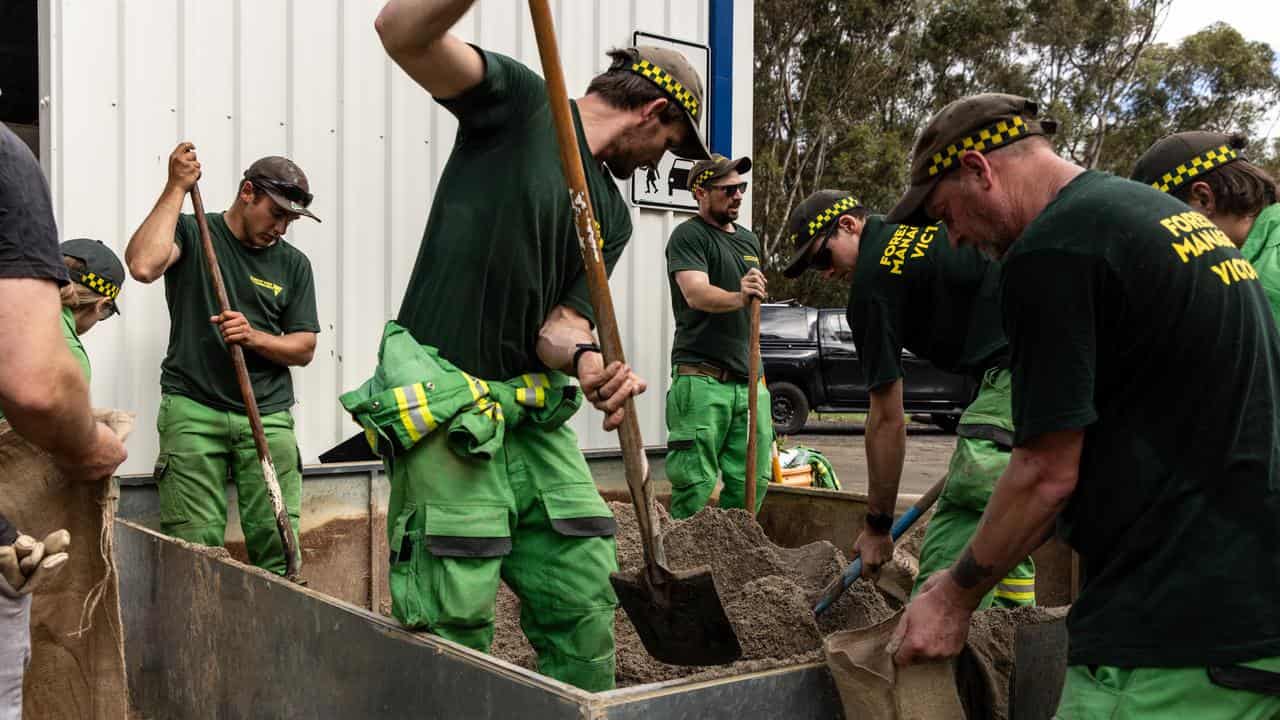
x=969, y=572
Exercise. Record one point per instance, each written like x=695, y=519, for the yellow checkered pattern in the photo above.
x=1195, y=166
x=702, y=177
x=663, y=79
x=1002, y=133
x=820, y=220
x=99, y=284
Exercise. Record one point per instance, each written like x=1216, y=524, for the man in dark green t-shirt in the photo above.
x=713, y=267
x=912, y=289
x=1146, y=378
x=499, y=293
x=205, y=436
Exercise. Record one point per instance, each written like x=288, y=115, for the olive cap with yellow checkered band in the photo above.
x=810, y=221
x=1175, y=160
x=103, y=272
x=705, y=172
x=981, y=123
x=675, y=76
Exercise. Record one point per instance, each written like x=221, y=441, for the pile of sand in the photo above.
x=768, y=593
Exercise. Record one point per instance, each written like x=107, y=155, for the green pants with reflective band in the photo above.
x=531, y=516
x=981, y=455
x=707, y=441
x=200, y=449
x=1112, y=693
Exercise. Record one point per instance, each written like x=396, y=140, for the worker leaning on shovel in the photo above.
x=1209, y=172
x=1145, y=391
x=44, y=381
x=911, y=289
x=470, y=398
x=205, y=438
x=713, y=267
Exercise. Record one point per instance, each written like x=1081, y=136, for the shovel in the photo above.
x=836, y=588
x=753, y=377
x=287, y=540
x=678, y=616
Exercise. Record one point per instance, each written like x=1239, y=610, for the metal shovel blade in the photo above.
x=680, y=619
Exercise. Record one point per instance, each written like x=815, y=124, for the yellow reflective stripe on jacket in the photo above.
x=1017, y=589
x=410, y=424
x=371, y=437
x=423, y=408
x=534, y=397
x=478, y=387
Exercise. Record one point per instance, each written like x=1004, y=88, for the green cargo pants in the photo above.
x=200, y=449
x=981, y=455
x=1103, y=692
x=530, y=515
x=707, y=441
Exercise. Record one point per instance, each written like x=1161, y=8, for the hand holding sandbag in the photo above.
x=28, y=564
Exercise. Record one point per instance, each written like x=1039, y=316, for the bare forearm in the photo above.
x=886, y=444
x=409, y=26
x=709, y=298
x=559, y=337
x=292, y=349
x=151, y=246
x=1019, y=518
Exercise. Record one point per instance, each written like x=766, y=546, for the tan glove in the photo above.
x=28, y=564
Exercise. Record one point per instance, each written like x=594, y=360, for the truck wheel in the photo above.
x=948, y=423
x=790, y=408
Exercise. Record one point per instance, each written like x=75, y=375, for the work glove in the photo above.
x=28, y=564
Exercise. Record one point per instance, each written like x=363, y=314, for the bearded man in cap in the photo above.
x=1146, y=375
x=1209, y=172
x=911, y=289
x=713, y=267
x=205, y=437
x=501, y=253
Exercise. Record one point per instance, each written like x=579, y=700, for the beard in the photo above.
x=629, y=154
x=725, y=216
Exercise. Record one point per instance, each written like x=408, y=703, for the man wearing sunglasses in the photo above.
x=204, y=432
x=911, y=289
x=713, y=268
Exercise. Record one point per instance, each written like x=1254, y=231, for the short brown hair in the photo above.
x=626, y=90
x=74, y=295
x=1239, y=188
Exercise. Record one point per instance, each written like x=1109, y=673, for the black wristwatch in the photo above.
x=880, y=522
x=582, y=348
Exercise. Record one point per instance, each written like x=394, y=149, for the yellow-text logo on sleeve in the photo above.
x=274, y=288
x=900, y=244
x=1194, y=235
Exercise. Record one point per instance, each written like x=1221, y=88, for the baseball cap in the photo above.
x=284, y=182
x=810, y=222
x=1175, y=159
x=672, y=73
x=103, y=272
x=716, y=167
x=978, y=122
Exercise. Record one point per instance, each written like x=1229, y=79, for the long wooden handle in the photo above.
x=635, y=464
x=753, y=379
x=288, y=542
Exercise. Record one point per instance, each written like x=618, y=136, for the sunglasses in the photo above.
x=730, y=190
x=287, y=190
x=821, y=259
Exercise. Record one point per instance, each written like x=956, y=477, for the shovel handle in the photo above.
x=836, y=588
x=753, y=379
x=635, y=464
x=287, y=539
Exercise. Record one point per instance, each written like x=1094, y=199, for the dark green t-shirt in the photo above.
x=274, y=289
x=1133, y=318
x=718, y=339
x=500, y=249
x=912, y=289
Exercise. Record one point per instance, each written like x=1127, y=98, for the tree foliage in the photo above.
x=843, y=86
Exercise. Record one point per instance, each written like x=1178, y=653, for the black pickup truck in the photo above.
x=811, y=364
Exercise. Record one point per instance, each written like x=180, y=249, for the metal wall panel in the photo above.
x=125, y=80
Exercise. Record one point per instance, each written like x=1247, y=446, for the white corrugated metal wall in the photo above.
x=124, y=80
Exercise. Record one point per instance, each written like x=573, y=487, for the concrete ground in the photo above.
x=928, y=452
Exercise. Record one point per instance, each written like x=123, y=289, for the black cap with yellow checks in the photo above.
x=978, y=123
x=103, y=272
x=1177, y=159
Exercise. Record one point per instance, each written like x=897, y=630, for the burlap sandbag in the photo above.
x=873, y=688
x=77, y=642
